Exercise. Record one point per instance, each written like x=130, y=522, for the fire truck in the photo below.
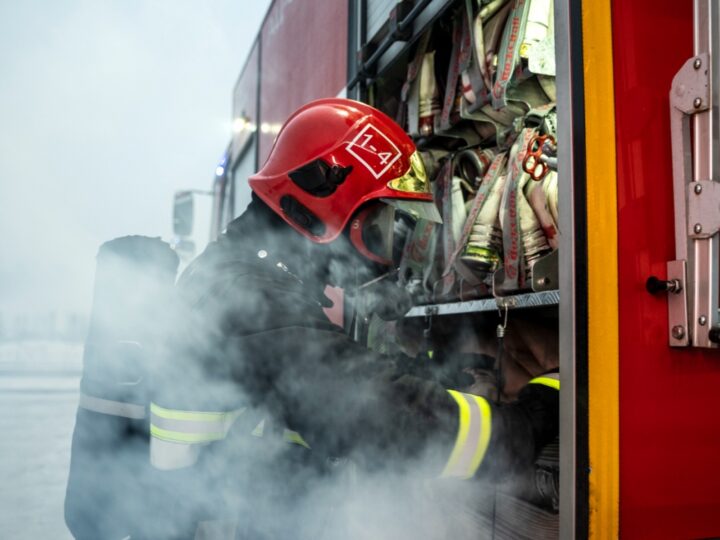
x=618, y=103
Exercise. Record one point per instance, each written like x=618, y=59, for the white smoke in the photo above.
x=106, y=108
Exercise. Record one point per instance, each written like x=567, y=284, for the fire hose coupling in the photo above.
x=484, y=248
x=535, y=246
x=656, y=285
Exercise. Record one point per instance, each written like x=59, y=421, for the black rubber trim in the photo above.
x=582, y=459
x=258, y=111
x=354, y=10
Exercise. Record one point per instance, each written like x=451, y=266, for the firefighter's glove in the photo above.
x=386, y=299
x=455, y=379
x=457, y=371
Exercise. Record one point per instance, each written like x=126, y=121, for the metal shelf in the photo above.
x=390, y=43
x=426, y=18
x=518, y=301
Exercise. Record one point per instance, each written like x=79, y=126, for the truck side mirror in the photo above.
x=183, y=213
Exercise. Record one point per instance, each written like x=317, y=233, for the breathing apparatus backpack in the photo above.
x=106, y=492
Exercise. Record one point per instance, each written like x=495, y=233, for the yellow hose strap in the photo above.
x=551, y=379
x=190, y=427
x=474, y=429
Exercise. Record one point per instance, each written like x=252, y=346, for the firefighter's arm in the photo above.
x=344, y=400
x=528, y=349
x=494, y=440
x=473, y=436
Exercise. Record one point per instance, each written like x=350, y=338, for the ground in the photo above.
x=39, y=384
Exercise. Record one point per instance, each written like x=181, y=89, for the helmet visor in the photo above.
x=415, y=180
x=426, y=210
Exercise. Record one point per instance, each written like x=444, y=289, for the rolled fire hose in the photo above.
x=535, y=243
x=536, y=194
x=484, y=248
x=429, y=97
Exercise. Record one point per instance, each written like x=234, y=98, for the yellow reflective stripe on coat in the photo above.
x=473, y=438
x=190, y=427
x=259, y=429
x=295, y=438
x=551, y=379
x=190, y=438
x=199, y=416
x=289, y=435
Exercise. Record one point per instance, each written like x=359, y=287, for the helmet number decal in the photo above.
x=374, y=150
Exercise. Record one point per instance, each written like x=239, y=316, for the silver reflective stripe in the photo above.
x=216, y=529
x=169, y=456
x=113, y=408
x=219, y=425
x=190, y=427
x=473, y=438
x=177, y=435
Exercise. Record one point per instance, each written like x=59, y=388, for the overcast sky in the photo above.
x=106, y=108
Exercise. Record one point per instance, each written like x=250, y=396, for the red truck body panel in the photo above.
x=303, y=57
x=245, y=100
x=669, y=414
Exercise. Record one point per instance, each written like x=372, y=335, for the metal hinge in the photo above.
x=703, y=206
x=693, y=306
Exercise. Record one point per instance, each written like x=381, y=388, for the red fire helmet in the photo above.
x=334, y=155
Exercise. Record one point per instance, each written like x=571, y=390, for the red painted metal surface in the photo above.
x=669, y=413
x=303, y=57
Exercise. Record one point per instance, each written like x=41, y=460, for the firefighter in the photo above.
x=263, y=394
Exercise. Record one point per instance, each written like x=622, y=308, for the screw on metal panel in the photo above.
x=697, y=102
x=697, y=228
x=702, y=321
x=674, y=286
x=698, y=188
x=697, y=63
x=678, y=332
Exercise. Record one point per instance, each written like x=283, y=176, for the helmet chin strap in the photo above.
x=347, y=267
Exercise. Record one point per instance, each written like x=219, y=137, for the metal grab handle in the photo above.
x=655, y=285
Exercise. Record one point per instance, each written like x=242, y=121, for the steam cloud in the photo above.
x=382, y=482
